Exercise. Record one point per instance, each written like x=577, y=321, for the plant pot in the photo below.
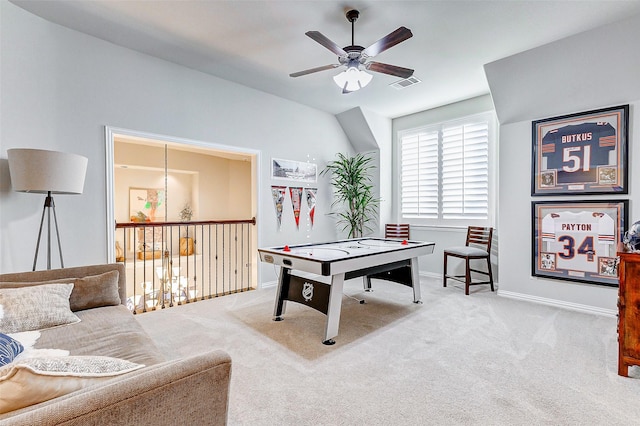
x=186, y=246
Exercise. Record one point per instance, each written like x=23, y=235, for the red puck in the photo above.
x=286, y=248
x=405, y=242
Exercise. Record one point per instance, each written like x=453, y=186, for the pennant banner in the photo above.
x=296, y=200
x=278, y=193
x=311, y=202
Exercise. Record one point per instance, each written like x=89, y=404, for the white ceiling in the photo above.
x=259, y=43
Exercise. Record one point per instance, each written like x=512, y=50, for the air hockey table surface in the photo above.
x=343, y=256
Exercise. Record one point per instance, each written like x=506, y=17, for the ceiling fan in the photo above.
x=355, y=58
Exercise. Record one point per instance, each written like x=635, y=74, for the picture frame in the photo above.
x=578, y=241
x=299, y=171
x=582, y=153
x=146, y=204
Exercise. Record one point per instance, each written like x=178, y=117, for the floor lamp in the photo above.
x=47, y=172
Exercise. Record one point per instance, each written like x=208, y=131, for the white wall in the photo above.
x=588, y=71
x=61, y=87
x=515, y=221
x=371, y=133
x=381, y=129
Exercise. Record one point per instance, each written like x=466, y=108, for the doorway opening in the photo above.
x=184, y=214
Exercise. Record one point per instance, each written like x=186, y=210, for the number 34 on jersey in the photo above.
x=578, y=238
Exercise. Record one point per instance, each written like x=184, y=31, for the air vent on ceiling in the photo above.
x=401, y=84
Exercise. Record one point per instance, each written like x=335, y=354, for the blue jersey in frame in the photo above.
x=575, y=151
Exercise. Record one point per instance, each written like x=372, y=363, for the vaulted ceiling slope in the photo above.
x=594, y=69
x=259, y=43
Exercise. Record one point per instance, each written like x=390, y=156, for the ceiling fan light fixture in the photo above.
x=352, y=79
x=356, y=57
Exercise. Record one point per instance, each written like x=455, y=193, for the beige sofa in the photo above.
x=187, y=391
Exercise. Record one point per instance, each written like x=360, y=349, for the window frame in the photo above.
x=488, y=116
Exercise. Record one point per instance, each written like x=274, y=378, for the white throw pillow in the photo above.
x=35, y=307
x=29, y=381
x=28, y=340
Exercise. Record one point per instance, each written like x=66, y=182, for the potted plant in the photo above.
x=350, y=177
x=186, y=213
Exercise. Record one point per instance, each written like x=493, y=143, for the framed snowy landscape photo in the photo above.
x=578, y=241
x=299, y=171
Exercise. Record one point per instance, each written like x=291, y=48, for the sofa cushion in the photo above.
x=95, y=291
x=92, y=291
x=33, y=380
x=109, y=331
x=37, y=307
x=9, y=349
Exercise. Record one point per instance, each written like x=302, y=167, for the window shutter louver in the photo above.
x=465, y=177
x=445, y=171
x=419, y=179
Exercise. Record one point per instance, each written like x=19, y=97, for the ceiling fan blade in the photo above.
x=312, y=70
x=389, y=69
x=390, y=40
x=318, y=37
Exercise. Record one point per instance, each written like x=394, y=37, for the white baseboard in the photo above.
x=543, y=300
x=558, y=303
x=269, y=284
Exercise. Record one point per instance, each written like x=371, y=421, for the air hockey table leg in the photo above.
x=366, y=281
x=334, y=308
x=415, y=280
x=283, y=290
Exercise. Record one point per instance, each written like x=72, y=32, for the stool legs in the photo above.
x=444, y=274
x=490, y=273
x=467, y=276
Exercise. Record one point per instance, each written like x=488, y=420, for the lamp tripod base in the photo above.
x=49, y=206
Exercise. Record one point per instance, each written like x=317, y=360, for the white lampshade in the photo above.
x=42, y=171
x=352, y=79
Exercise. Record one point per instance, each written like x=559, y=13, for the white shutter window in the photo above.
x=444, y=171
x=465, y=171
x=419, y=179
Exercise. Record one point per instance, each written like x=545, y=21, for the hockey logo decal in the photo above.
x=307, y=291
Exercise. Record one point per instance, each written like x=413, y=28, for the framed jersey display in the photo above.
x=583, y=153
x=578, y=241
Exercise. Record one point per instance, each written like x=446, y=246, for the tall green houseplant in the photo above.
x=351, y=179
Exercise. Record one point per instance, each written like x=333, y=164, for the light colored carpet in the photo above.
x=456, y=359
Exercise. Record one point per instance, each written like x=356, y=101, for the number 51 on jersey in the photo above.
x=583, y=153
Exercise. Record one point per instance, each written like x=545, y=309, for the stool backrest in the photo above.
x=479, y=236
x=396, y=230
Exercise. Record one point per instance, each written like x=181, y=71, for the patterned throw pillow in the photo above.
x=29, y=381
x=9, y=349
x=35, y=308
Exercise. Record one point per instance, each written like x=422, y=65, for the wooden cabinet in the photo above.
x=629, y=312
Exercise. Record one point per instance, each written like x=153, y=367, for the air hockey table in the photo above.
x=388, y=259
